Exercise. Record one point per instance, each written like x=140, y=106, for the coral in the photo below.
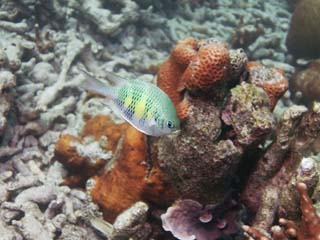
x=309, y=226
x=80, y=156
x=272, y=80
x=75, y=46
x=307, y=81
x=197, y=65
x=304, y=33
x=129, y=170
x=187, y=219
x=170, y=72
x=131, y=179
x=208, y=67
x=258, y=121
x=286, y=161
x=131, y=223
x=238, y=59
x=191, y=156
x=108, y=21
x=74, y=152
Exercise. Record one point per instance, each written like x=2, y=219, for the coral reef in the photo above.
x=304, y=35
x=131, y=223
x=309, y=226
x=129, y=169
x=45, y=117
x=287, y=160
x=198, y=65
x=248, y=112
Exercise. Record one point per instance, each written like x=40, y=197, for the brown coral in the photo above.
x=304, y=33
x=272, y=80
x=307, y=81
x=309, y=227
x=268, y=191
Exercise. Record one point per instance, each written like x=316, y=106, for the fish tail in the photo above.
x=92, y=84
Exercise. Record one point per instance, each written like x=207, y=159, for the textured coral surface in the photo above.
x=309, y=228
x=208, y=67
x=131, y=179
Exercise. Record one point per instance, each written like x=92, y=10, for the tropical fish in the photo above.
x=144, y=105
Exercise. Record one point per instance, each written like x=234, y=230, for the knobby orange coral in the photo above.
x=209, y=66
x=195, y=65
x=309, y=226
x=170, y=71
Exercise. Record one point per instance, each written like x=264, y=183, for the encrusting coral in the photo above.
x=269, y=191
x=209, y=66
x=128, y=177
x=272, y=80
x=309, y=228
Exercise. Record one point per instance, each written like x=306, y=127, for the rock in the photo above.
x=304, y=32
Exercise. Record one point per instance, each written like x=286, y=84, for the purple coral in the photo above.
x=188, y=219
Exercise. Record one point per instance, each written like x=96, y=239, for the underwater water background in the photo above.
x=145, y=119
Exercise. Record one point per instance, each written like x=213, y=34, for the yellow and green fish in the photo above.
x=142, y=104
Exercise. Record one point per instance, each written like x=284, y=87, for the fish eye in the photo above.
x=170, y=124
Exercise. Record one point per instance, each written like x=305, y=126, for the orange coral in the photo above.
x=272, y=80
x=170, y=71
x=195, y=65
x=309, y=227
x=80, y=168
x=102, y=125
x=131, y=179
x=209, y=66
